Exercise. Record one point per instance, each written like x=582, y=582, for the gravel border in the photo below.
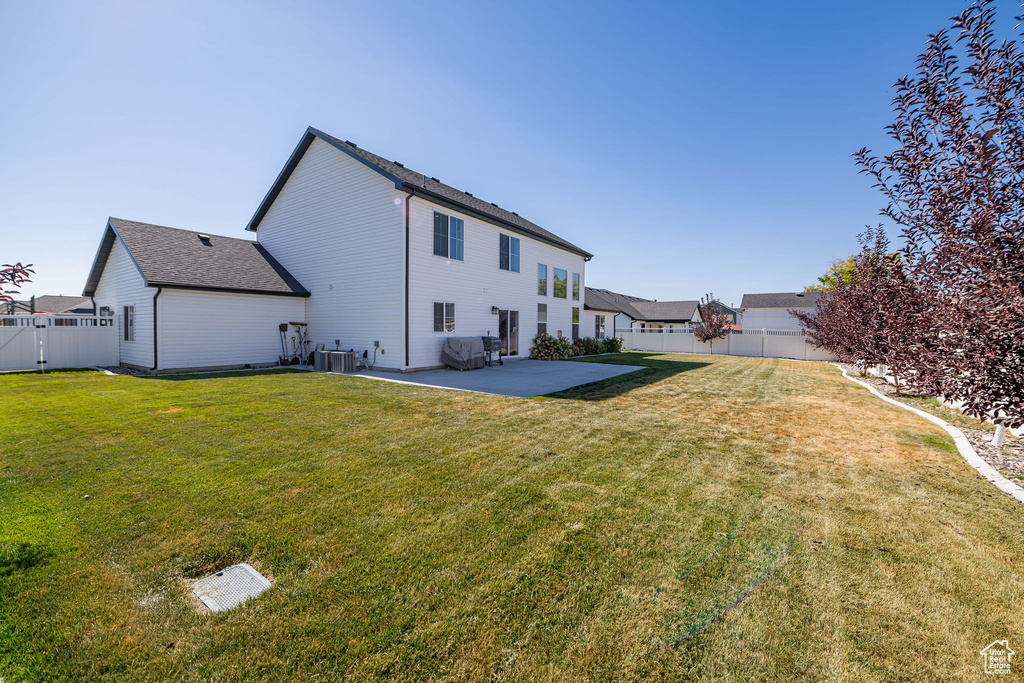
x=959, y=438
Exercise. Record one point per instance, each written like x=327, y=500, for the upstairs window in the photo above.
x=444, y=317
x=449, y=236
x=575, y=286
x=508, y=253
x=542, y=279
x=560, y=283
x=456, y=229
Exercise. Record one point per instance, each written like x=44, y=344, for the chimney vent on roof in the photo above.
x=434, y=179
x=399, y=163
x=799, y=293
x=468, y=193
x=514, y=213
x=349, y=142
x=204, y=237
x=493, y=204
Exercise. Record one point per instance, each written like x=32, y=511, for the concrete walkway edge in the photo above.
x=962, y=444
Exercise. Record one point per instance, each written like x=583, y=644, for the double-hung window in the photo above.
x=560, y=283
x=575, y=323
x=542, y=318
x=542, y=279
x=575, y=286
x=129, y=323
x=444, y=317
x=508, y=253
x=449, y=236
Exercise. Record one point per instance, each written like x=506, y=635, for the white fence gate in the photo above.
x=762, y=343
x=49, y=342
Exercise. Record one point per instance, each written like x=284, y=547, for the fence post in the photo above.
x=41, y=341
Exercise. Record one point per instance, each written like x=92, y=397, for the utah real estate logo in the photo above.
x=997, y=657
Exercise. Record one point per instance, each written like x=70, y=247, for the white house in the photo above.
x=390, y=261
x=771, y=311
x=396, y=261
x=188, y=300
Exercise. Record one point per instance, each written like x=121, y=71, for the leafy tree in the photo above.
x=838, y=273
x=955, y=186
x=11, y=277
x=715, y=323
x=870, y=317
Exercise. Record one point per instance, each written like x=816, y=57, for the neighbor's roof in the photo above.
x=59, y=304
x=640, y=309
x=413, y=181
x=606, y=300
x=782, y=300
x=667, y=311
x=169, y=257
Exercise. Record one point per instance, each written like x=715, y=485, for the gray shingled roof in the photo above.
x=49, y=303
x=169, y=257
x=640, y=309
x=423, y=184
x=607, y=300
x=780, y=300
x=667, y=311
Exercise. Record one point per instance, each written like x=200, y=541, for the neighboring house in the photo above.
x=189, y=300
x=397, y=258
x=632, y=312
x=735, y=314
x=49, y=304
x=771, y=311
x=391, y=262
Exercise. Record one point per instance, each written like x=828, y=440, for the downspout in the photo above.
x=155, y=337
x=408, y=201
x=93, y=300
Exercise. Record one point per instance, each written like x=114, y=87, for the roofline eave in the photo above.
x=434, y=197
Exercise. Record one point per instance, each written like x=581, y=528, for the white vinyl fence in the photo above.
x=762, y=343
x=31, y=342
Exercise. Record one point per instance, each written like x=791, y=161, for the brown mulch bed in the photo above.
x=1009, y=461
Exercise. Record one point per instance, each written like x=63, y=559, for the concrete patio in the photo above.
x=515, y=378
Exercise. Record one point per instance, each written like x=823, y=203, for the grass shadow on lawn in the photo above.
x=657, y=367
x=185, y=376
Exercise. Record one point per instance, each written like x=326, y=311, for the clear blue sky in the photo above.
x=693, y=147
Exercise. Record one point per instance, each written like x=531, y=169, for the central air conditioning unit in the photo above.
x=322, y=361
x=343, y=361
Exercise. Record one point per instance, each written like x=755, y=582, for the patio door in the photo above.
x=508, y=331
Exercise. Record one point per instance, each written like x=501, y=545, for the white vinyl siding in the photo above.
x=199, y=329
x=339, y=228
x=474, y=285
x=120, y=285
x=771, y=319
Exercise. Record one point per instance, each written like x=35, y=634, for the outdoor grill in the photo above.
x=492, y=345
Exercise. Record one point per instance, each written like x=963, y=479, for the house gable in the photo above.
x=412, y=182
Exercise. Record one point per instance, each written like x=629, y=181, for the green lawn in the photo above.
x=708, y=517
